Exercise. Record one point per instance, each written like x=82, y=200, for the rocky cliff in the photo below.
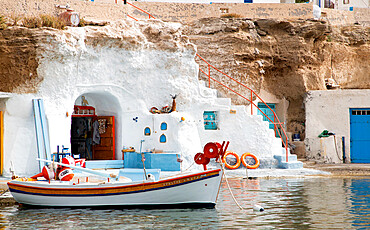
x=285, y=58
x=22, y=48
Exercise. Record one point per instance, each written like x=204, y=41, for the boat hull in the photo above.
x=194, y=190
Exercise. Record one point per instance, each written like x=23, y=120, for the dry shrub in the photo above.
x=3, y=25
x=44, y=21
x=231, y=15
x=32, y=22
x=82, y=22
x=15, y=18
x=52, y=21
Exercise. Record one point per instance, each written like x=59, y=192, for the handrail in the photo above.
x=132, y=17
x=150, y=16
x=276, y=122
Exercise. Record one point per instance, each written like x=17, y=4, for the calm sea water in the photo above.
x=309, y=203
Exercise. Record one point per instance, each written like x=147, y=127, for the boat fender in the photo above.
x=256, y=164
x=150, y=177
x=66, y=174
x=46, y=172
x=80, y=162
x=68, y=160
x=258, y=208
x=227, y=164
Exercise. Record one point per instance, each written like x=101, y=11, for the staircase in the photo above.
x=285, y=160
x=291, y=163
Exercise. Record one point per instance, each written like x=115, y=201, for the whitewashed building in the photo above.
x=117, y=74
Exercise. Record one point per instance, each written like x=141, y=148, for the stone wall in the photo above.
x=321, y=107
x=183, y=12
x=180, y=12
x=342, y=17
x=190, y=12
x=362, y=15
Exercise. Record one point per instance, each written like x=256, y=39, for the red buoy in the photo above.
x=66, y=174
x=46, y=172
x=68, y=160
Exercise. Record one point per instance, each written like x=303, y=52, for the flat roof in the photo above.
x=5, y=95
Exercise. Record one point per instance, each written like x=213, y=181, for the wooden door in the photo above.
x=105, y=150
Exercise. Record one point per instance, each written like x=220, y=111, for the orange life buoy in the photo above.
x=231, y=166
x=256, y=164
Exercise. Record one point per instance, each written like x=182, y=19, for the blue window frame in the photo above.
x=210, y=120
x=163, y=138
x=164, y=126
x=147, y=131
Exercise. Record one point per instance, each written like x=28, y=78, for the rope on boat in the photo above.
x=227, y=182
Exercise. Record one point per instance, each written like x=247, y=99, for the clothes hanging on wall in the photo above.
x=96, y=134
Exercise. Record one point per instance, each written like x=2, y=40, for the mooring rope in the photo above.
x=227, y=182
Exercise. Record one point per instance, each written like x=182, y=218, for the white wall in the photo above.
x=353, y=3
x=329, y=109
x=213, y=1
x=122, y=73
x=195, y=1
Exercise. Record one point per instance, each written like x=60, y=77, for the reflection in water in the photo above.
x=304, y=203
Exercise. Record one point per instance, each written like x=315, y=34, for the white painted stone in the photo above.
x=330, y=110
x=126, y=82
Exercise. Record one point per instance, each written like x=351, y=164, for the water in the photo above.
x=306, y=203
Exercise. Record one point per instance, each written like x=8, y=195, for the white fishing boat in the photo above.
x=192, y=190
x=184, y=190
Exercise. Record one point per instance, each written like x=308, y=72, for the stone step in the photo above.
x=282, y=158
x=292, y=163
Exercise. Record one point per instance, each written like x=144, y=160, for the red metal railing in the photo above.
x=278, y=128
x=132, y=17
x=150, y=16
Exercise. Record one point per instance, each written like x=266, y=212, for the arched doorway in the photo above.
x=95, y=127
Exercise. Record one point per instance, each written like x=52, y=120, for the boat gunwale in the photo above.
x=106, y=187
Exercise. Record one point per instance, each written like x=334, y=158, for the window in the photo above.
x=224, y=10
x=210, y=120
x=164, y=126
x=163, y=138
x=147, y=131
x=361, y=112
x=345, y=1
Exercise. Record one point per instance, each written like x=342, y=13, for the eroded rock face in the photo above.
x=18, y=64
x=21, y=49
x=285, y=58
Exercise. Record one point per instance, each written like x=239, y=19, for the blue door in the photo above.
x=360, y=135
x=248, y=1
x=268, y=112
